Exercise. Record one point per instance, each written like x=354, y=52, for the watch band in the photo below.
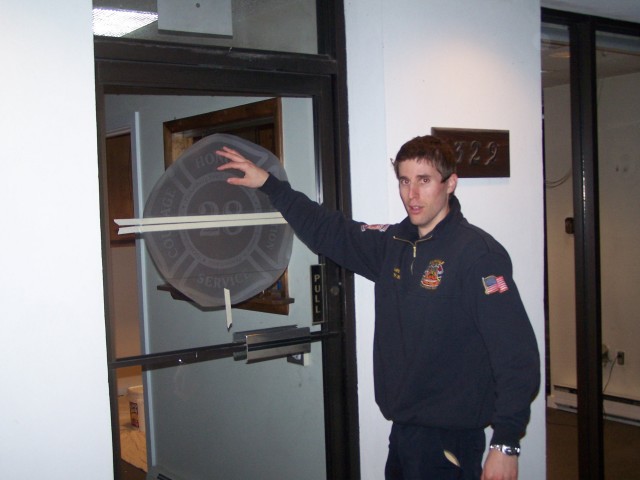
x=506, y=449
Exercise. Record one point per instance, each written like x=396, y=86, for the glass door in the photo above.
x=618, y=98
x=562, y=434
x=198, y=399
x=238, y=419
x=591, y=116
x=233, y=416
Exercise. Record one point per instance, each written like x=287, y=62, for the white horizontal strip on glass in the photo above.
x=163, y=224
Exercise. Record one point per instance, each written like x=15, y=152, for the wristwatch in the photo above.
x=506, y=449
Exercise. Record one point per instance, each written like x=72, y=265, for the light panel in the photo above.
x=109, y=22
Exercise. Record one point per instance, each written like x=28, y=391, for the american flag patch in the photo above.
x=493, y=284
x=379, y=227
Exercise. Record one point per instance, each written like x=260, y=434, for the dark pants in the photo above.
x=418, y=453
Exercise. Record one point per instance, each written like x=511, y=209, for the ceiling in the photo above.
x=628, y=10
x=616, y=55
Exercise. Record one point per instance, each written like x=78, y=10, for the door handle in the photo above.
x=270, y=343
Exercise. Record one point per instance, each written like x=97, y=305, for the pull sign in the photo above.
x=317, y=294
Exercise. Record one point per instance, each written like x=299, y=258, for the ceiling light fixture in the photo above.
x=109, y=22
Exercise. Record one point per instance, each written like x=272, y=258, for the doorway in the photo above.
x=207, y=410
x=590, y=75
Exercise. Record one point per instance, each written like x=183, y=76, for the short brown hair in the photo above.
x=429, y=149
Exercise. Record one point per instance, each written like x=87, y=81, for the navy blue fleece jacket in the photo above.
x=453, y=345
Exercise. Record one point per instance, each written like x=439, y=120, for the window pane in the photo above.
x=562, y=432
x=170, y=321
x=262, y=420
x=618, y=73
x=241, y=420
x=276, y=25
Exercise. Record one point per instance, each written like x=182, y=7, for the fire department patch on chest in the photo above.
x=433, y=275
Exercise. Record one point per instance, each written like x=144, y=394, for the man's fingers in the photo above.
x=254, y=176
x=234, y=165
x=231, y=154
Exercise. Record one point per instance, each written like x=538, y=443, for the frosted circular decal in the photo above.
x=201, y=263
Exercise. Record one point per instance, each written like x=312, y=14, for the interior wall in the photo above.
x=125, y=307
x=125, y=312
x=560, y=248
x=618, y=114
x=55, y=399
x=412, y=66
x=619, y=172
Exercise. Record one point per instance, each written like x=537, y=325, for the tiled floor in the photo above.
x=621, y=445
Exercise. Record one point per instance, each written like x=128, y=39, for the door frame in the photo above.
x=143, y=67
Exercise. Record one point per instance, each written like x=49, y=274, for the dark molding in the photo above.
x=587, y=249
x=149, y=52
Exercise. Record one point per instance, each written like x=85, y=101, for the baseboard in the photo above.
x=616, y=408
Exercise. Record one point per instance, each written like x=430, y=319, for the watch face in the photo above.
x=512, y=450
x=202, y=263
x=506, y=449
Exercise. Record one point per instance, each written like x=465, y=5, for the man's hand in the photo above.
x=254, y=176
x=499, y=466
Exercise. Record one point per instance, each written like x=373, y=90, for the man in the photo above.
x=454, y=349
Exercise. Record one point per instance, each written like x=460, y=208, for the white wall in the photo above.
x=413, y=65
x=54, y=401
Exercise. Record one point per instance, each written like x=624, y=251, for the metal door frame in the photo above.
x=144, y=67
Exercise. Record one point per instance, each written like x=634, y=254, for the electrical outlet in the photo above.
x=620, y=358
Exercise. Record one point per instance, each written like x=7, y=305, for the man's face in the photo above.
x=424, y=195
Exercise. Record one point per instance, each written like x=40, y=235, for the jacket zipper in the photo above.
x=414, y=246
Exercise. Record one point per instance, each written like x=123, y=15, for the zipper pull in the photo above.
x=415, y=251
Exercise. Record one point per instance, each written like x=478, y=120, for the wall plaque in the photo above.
x=479, y=153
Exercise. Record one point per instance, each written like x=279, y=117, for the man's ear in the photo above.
x=452, y=183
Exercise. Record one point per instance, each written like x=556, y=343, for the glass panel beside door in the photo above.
x=562, y=434
x=618, y=74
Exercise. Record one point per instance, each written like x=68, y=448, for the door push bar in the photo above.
x=270, y=343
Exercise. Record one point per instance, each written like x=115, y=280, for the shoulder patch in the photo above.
x=378, y=226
